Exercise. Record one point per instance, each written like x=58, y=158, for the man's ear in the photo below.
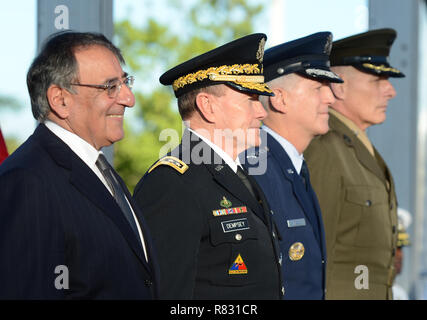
x=58, y=100
x=278, y=103
x=204, y=102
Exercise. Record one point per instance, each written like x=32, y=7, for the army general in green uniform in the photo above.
x=353, y=184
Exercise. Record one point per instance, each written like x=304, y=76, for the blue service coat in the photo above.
x=297, y=215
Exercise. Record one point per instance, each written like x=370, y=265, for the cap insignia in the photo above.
x=260, y=52
x=381, y=68
x=328, y=45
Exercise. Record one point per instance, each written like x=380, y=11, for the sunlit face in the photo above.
x=94, y=116
x=239, y=118
x=307, y=106
x=367, y=97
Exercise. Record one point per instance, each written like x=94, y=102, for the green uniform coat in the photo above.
x=358, y=202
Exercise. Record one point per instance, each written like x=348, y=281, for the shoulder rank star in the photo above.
x=225, y=203
x=173, y=162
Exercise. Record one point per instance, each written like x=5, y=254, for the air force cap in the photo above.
x=368, y=52
x=307, y=56
x=237, y=64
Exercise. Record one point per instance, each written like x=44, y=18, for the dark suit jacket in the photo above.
x=56, y=212
x=298, y=218
x=198, y=246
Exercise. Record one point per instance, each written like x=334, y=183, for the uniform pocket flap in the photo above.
x=365, y=195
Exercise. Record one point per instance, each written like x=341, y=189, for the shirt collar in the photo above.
x=82, y=148
x=360, y=134
x=227, y=159
x=296, y=158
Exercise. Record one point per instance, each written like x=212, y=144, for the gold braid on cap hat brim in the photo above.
x=381, y=68
x=231, y=73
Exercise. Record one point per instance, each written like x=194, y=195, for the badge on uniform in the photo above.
x=296, y=223
x=224, y=212
x=238, y=266
x=225, y=203
x=296, y=251
x=235, y=225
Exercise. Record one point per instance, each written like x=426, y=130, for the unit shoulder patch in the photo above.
x=170, y=161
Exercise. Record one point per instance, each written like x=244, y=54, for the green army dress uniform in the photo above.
x=358, y=201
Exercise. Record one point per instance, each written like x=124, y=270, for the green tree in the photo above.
x=154, y=48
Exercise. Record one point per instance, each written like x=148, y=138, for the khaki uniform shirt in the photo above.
x=359, y=208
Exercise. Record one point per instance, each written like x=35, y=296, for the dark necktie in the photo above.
x=305, y=175
x=118, y=193
x=242, y=175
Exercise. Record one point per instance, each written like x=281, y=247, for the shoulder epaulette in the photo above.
x=173, y=162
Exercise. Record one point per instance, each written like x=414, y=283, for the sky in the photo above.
x=282, y=20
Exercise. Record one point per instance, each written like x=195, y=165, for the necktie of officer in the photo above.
x=118, y=193
x=243, y=177
x=305, y=175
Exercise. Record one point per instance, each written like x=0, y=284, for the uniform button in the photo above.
x=323, y=261
x=238, y=237
x=283, y=291
x=148, y=283
x=271, y=211
x=393, y=229
x=274, y=235
x=391, y=206
x=368, y=203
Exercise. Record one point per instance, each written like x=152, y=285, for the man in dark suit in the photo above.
x=69, y=228
x=210, y=222
x=299, y=75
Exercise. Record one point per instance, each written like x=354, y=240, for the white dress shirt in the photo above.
x=227, y=159
x=88, y=154
x=296, y=158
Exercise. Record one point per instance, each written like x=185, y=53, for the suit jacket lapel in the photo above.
x=351, y=140
x=306, y=199
x=221, y=172
x=277, y=152
x=229, y=180
x=85, y=180
x=141, y=221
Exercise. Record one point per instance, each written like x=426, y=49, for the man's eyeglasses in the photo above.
x=113, y=87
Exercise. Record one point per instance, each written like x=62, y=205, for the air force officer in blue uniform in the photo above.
x=299, y=75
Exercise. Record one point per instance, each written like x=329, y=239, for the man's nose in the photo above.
x=126, y=96
x=389, y=89
x=329, y=97
x=260, y=111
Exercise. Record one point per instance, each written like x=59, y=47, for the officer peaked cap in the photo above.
x=368, y=52
x=307, y=56
x=237, y=64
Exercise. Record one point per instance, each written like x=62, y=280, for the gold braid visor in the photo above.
x=231, y=73
x=381, y=68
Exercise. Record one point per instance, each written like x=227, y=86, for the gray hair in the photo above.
x=285, y=82
x=56, y=64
